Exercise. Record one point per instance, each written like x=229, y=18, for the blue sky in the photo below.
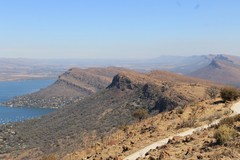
x=118, y=28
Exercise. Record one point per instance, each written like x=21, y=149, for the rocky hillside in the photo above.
x=222, y=69
x=131, y=138
x=71, y=86
x=218, y=142
x=72, y=127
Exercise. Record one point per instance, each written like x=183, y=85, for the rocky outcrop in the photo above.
x=122, y=82
x=214, y=64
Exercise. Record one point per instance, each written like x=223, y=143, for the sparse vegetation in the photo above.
x=211, y=117
x=230, y=120
x=212, y=92
x=179, y=110
x=124, y=128
x=224, y=133
x=49, y=157
x=229, y=94
x=140, y=113
x=227, y=121
x=189, y=123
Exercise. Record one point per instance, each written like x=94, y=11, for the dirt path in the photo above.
x=235, y=108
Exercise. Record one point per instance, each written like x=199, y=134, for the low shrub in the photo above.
x=49, y=157
x=224, y=133
x=140, y=113
x=227, y=121
x=189, y=123
x=229, y=94
x=212, y=92
x=179, y=110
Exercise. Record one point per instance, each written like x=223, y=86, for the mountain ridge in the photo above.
x=222, y=69
x=104, y=111
x=71, y=86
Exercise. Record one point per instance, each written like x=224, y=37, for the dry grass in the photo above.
x=204, y=145
x=134, y=137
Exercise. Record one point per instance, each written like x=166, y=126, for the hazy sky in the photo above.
x=118, y=28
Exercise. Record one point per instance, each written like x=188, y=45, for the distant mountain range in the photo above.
x=31, y=68
x=76, y=83
x=222, y=69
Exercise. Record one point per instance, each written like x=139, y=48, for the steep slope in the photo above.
x=223, y=69
x=71, y=86
x=101, y=113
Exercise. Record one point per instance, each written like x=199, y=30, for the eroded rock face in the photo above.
x=149, y=90
x=165, y=103
x=214, y=64
x=122, y=82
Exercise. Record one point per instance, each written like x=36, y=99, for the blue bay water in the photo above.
x=11, y=89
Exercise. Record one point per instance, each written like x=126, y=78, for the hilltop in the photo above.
x=102, y=113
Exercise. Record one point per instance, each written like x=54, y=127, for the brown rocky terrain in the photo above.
x=204, y=144
x=223, y=69
x=80, y=124
x=71, y=86
x=130, y=138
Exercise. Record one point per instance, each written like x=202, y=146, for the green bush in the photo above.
x=224, y=133
x=229, y=94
